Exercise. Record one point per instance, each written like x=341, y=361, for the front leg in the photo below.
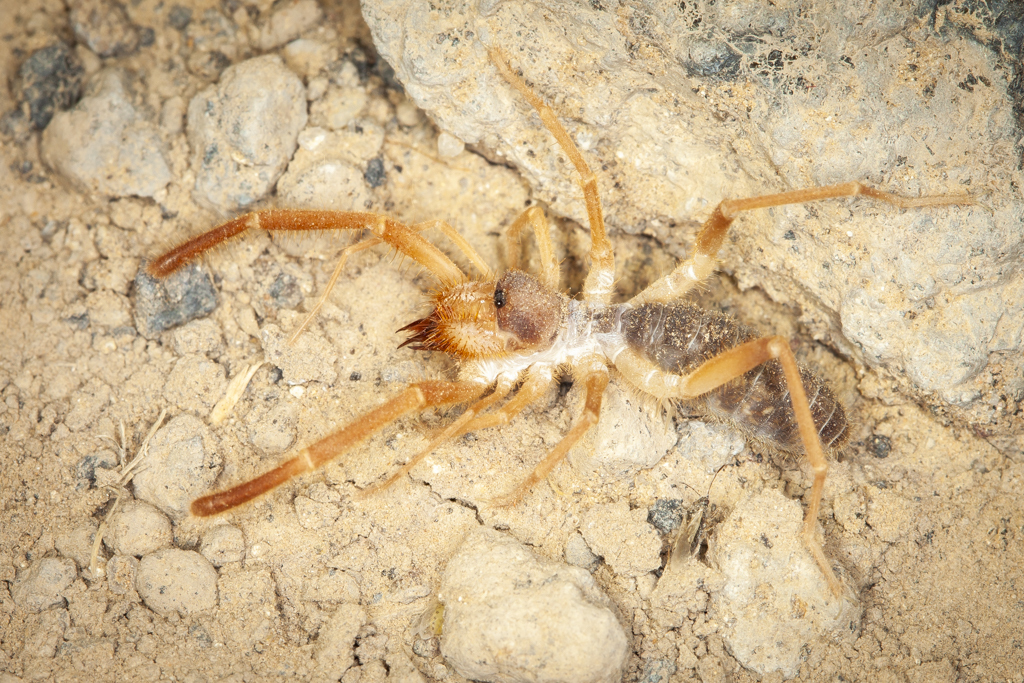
x=701, y=264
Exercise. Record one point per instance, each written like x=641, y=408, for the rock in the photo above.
x=174, y=300
x=222, y=544
x=630, y=435
x=243, y=132
x=272, y=430
x=181, y=464
x=51, y=81
x=139, y=529
x=579, y=554
x=176, y=580
x=104, y=145
x=623, y=537
x=288, y=22
x=688, y=120
x=104, y=27
x=775, y=606
x=512, y=616
x=338, y=107
x=41, y=585
x=326, y=170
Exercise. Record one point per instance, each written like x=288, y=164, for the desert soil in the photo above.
x=921, y=511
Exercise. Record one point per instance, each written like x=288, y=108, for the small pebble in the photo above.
x=449, y=146
x=174, y=580
x=318, y=181
x=339, y=107
x=630, y=436
x=104, y=27
x=657, y=671
x=181, y=464
x=179, y=17
x=288, y=22
x=41, y=585
x=408, y=114
x=768, y=572
x=666, y=514
x=138, y=529
x=578, y=554
x=243, y=131
x=512, y=616
x=375, y=174
x=162, y=304
x=51, y=81
x=104, y=145
x=222, y=544
x=309, y=57
x=628, y=544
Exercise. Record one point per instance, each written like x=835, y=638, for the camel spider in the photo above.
x=517, y=330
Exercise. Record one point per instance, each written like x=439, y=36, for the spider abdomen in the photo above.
x=680, y=337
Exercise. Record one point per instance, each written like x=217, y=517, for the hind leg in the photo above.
x=726, y=367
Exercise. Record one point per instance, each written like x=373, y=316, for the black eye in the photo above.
x=499, y=298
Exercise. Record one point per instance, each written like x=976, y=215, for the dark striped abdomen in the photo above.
x=680, y=337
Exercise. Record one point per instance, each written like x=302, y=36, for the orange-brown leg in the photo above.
x=403, y=238
x=595, y=379
x=346, y=252
x=414, y=398
x=501, y=389
x=709, y=240
x=537, y=381
x=458, y=240
x=726, y=367
x=599, y=282
x=542, y=234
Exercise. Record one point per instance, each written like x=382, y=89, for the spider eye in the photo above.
x=499, y=298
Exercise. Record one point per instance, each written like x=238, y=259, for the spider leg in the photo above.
x=728, y=366
x=549, y=266
x=538, y=379
x=598, y=285
x=415, y=398
x=348, y=251
x=403, y=238
x=501, y=389
x=460, y=242
x=445, y=228
x=595, y=379
x=709, y=240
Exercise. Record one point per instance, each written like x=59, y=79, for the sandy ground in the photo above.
x=921, y=511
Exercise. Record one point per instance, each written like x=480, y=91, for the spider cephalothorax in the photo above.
x=480, y=320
